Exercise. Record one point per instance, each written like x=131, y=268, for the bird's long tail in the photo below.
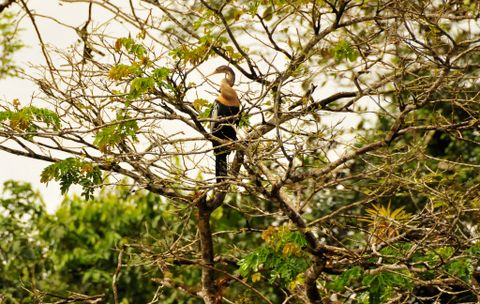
x=221, y=166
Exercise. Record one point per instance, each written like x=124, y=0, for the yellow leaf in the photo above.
x=118, y=44
x=290, y=249
x=299, y=280
x=86, y=168
x=141, y=34
x=118, y=72
x=199, y=103
x=385, y=222
x=237, y=14
x=267, y=234
x=144, y=61
x=16, y=103
x=256, y=277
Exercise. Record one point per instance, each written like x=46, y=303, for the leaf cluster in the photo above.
x=343, y=50
x=24, y=119
x=73, y=171
x=21, y=212
x=9, y=44
x=136, y=73
x=76, y=248
x=281, y=259
x=117, y=131
x=372, y=284
x=129, y=44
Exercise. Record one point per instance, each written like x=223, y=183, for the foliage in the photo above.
x=133, y=73
x=9, y=44
x=121, y=71
x=344, y=50
x=199, y=103
x=73, y=171
x=386, y=223
x=282, y=257
x=21, y=251
x=77, y=247
x=117, y=132
x=139, y=86
x=131, y=47
x=347, y=279
x=23, y=119
x=85, y=238
x=383, y=284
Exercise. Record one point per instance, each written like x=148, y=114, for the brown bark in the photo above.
x=5, y=5
x=209, y=288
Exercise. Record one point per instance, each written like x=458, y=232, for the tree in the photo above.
x=355, y=173
x=78, y=247
x=21, y=250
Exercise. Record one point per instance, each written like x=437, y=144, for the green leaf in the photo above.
x=160, y=73
x=244, y=121
x=139, y=86
x=207, y=112
x=344, y=50
x=462, y=268
x=382, y=285
x=9, y=45
x=73, y=171
x=282, y=265
x=217, y=214
x=116, y=132
x=346, y=279
x=131, y=47
x=25, y=118
x=268, y=13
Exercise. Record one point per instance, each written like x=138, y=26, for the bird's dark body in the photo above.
x=224, y=119
x=224, y=129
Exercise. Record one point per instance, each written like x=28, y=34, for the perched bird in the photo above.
x=224, y=119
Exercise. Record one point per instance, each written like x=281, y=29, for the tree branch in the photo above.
x=6, y=4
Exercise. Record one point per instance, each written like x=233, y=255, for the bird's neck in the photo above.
x=230, y=78
x=228, y=96
x=227, y=101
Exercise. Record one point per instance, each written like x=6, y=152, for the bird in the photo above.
x=224, y=117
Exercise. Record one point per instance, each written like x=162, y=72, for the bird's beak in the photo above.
x=212, y=73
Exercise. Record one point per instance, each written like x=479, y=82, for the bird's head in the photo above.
x=223, y=69
x=229, y=74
